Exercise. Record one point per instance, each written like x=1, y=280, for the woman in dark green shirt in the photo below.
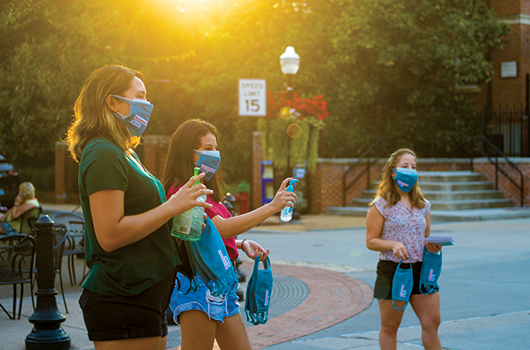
x=129, y=249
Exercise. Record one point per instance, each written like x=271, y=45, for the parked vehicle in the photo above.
x=8, y=183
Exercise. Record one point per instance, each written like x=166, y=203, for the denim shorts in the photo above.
x=385, y=275
x=217, y=308
x=126, y=317
x=9, y=230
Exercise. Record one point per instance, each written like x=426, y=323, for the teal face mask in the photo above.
x=405, y=178
x=430, y=271
x=138, y=117
x=208, y=162
x=402, y=284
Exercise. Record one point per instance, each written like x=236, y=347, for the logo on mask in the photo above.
x=403, y=291
x=432, y=276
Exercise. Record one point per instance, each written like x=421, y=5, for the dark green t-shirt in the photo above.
x=134, y=268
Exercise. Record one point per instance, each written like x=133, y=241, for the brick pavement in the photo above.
x=334, y=297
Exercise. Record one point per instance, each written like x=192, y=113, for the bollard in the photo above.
x=47, y=332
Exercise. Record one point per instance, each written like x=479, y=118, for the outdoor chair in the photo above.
x=17, y=254
x=29, y=219
x=74, y=246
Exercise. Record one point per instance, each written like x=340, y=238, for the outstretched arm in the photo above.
x=242, y=223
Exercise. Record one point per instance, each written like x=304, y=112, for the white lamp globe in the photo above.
x=290, y=61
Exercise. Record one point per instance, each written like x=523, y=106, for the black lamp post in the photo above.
x=47, y=332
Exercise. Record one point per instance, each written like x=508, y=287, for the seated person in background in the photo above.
x=11, y=220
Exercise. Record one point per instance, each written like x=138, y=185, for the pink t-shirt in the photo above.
x=405, y=226
x=217, y=209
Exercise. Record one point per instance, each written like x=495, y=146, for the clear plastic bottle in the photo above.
x=287, y=212
x=188, y=225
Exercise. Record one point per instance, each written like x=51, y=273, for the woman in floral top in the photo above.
x=397, y=224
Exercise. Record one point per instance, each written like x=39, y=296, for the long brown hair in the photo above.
x=178, y=168
x=93, y=118
x=387, y=188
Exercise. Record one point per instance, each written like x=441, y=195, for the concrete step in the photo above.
x=452, y=204
x=450, y=186
x=457, y=186
x=449, y=195
x=449, y=176
x=446, y=215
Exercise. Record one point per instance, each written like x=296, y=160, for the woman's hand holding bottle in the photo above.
x=283, y=197
x=186, y=197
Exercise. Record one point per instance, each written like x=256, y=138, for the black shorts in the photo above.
x=126, y=317
x=385, y=274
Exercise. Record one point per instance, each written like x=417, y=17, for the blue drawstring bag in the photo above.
x=209, y=260
x=258, y=296
x=430, y=271
x=402, y=284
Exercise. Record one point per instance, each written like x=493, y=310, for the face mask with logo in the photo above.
x=208, y=162
x=405, y=178
x=138, y=117
x=430, y=271
x=402, y=284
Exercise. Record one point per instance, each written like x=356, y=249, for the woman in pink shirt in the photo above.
x=397, y=224
x=203, y=317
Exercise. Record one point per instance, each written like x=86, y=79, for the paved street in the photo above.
x=484, y=290
x=484, y=285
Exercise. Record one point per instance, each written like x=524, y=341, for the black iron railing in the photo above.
x=345, y=186
x=498, y=169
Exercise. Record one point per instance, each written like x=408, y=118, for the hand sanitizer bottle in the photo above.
x=183, y=223
x=287, y=212
x=198, y=213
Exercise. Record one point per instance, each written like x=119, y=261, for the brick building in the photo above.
x=506, y=96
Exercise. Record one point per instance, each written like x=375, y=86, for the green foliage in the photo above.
x=406, y=56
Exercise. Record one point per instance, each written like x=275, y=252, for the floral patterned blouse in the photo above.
x=405, y=226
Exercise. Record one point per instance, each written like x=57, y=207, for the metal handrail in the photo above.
x=497, y=168
x=367, y=169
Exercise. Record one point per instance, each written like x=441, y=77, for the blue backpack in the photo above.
x=258, y=296
x=209, y=260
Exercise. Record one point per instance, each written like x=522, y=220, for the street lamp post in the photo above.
x=290, y=62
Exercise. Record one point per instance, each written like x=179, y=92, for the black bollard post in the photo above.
x=47, y=332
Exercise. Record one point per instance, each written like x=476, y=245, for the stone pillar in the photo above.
x=257, y=157
x=60, y=172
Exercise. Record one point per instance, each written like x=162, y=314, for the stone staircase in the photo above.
x=446, y=190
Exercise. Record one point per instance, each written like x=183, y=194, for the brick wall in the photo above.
x=509, y=190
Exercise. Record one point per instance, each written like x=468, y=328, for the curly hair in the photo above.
x=387, y=189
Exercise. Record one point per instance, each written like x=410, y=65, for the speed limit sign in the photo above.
x=252, y=98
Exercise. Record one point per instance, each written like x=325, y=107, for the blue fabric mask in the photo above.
x=405, y=178
x=138, y=117
x=208, y=162
x=430, y=271
x=402, y=284
x=258, y=294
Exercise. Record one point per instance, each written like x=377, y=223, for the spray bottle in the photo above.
x=184, y=225
x=287, y=212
